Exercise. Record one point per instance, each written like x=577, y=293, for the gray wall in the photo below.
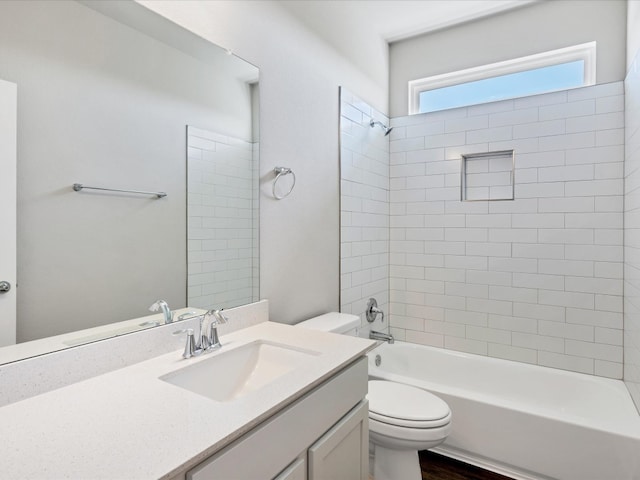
x=101, y=104
x=533, y=29
x=299, y=79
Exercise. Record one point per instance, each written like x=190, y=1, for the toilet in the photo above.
x=402, y=419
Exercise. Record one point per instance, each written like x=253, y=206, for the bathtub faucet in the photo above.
x=387, y=337
x=373, y=311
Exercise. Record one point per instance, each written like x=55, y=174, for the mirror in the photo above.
x=111, y=95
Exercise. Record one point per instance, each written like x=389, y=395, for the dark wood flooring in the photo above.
x=439, y=467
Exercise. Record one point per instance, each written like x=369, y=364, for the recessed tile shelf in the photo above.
x=487, y=176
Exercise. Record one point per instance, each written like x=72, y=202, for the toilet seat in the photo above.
x=418, y=438
x=399, y=422
x=406, y=406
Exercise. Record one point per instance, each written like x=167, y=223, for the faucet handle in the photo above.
x=373, y=310
x=218, y=317
x=190, y=349
x=204, y=342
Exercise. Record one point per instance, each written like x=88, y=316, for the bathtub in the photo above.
x=524, y=421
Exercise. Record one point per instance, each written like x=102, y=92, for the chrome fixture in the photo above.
x=280, y=172
x=162, y=305
x=387, y=130
x=205, y=342
x=218, y=319
x=79, y=186
x=190, y=348
x=4, y=286
x=373, y=310
x=387, y=337
x=378, y=360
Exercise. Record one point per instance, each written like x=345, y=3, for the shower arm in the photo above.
x=387, y=130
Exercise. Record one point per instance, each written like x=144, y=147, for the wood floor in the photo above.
x=439, y=467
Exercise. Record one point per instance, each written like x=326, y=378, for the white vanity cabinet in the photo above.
x=321, y=436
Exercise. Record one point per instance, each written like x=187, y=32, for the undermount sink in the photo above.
x=230, y=374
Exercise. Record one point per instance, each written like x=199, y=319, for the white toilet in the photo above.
x=402, y=419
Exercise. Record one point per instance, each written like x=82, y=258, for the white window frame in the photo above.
x=584, y=51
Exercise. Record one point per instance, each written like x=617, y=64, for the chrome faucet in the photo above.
x=164, y=306
x=218, y=319
x=387, y=337
x=195, y=347
x=205, y=342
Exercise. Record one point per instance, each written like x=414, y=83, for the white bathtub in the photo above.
x=524, y=421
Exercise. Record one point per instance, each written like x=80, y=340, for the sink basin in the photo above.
x=231, y=374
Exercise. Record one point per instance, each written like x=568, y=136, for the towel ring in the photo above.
x=280, y=172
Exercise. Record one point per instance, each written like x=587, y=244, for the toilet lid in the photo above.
x=405, y=405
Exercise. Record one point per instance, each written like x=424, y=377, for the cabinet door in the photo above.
x=296, y=471
x=343, y=452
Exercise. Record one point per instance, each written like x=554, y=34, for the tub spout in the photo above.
x=387, y=337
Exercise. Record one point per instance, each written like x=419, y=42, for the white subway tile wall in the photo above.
x=631, y=235
x=222, y=219
x=537, y=279
x=364, y=208
x=255, y=203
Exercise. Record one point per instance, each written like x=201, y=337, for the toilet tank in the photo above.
x=344, y=323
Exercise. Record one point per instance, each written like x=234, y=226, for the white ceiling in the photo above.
x=394, y=20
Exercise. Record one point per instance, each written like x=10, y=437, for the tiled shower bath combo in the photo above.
x=537, y=279
x=505, y=241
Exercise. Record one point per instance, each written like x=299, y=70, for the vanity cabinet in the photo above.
x=321, y=436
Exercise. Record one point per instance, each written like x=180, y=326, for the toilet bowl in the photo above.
x=402, y=419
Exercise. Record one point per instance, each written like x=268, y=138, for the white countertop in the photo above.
x=129, y=424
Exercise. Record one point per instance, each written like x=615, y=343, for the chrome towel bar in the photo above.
x=79, y=186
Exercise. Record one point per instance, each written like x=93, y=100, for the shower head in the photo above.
x=387, y=130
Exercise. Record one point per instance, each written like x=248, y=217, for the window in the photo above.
x=541, y=73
